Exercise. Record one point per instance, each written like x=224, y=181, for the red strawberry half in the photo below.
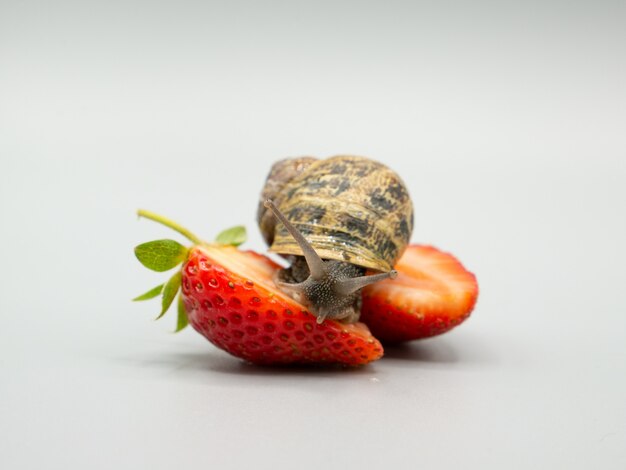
x=229, y=297
x=432, y=294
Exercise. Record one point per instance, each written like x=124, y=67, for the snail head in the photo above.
x=332, y=288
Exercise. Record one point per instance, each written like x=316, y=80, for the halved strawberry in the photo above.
x=231, y=300
x=432, y=294
x=229, y=297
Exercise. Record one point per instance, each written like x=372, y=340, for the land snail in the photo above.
x=334, y=219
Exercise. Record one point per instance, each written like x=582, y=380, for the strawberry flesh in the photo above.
x=230, y=299
x=432, y=294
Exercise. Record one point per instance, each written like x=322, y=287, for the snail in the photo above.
x=334, y=219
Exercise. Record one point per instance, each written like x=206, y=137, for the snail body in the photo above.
x=334, y=219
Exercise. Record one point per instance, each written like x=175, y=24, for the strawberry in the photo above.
x=229, y=297
x=432, y=294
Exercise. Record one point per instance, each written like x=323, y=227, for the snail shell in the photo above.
x=281, y=173
x=349, y=208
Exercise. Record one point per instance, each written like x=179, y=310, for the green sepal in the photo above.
x=232, y=236
x=169, y=293
x=161, y=255
x=182, y=321
x=151, y=294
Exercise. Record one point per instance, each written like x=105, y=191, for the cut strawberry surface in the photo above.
x=230, y=298
x=432, y=294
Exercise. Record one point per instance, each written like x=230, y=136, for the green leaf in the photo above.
x=232, y=236
x=183, y=321
x=169, y=293
x=152, y=293
x=161, y=255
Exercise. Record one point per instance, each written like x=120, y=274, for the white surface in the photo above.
x=507, y=123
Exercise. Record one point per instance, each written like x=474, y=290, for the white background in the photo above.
x=507, y=121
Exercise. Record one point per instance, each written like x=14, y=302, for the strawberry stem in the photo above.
x=171, y=224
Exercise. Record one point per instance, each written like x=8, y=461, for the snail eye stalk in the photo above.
x=315, y=263
x=349, y=286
